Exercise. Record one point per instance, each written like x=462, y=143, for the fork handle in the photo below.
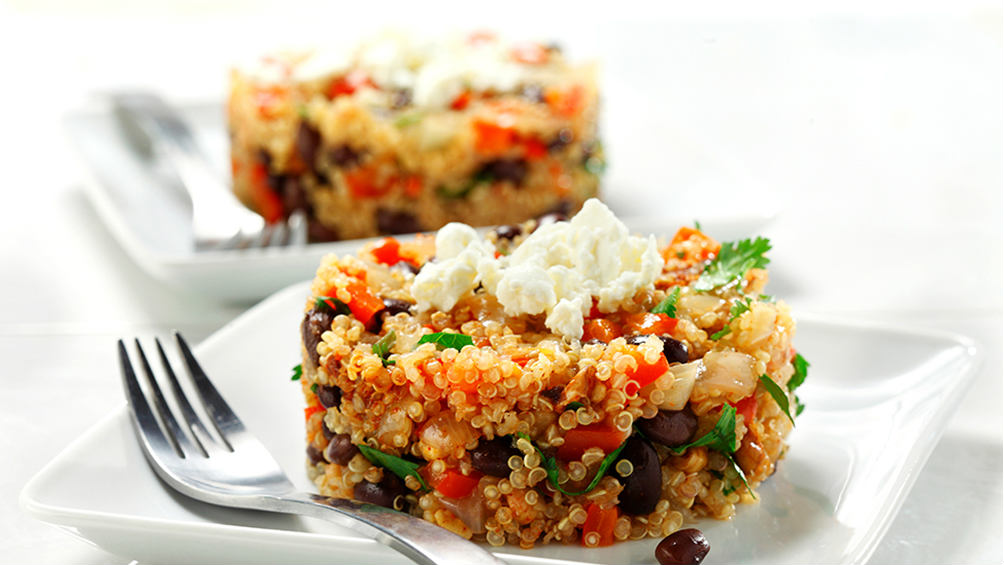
x=420, y=541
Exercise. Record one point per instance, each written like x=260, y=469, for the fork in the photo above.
x=233, y=468
x=219, y=220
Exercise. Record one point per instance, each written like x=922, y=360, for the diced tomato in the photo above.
x=567, y=103
x=647, y=373
x=578, y=440
x=529, y=53
x=649, y=323
x=535, y=149
x=461, y=101
x=265, y=200
x=454, y=484
x=311, y=410
x=747, y=407
x=601, y=521
x=602, y=329
x=363, y=183
x=493, y=138
x=348, y=84
x=387, y=251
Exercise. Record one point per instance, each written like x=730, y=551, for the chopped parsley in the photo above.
x=400, y=467
x=742, y=475
x=447, y=340
x=668, y=304
x=480, y=178
x=333, y=304
x=801, y=371
x=738, y=309
x=574, y=405
x=733, y=261
x=405, y=120
x=297, y=372
x=313, y=388
x=382, y=347
x=551, y=466
x=777, y=394
x=697, y=225
x=721, y=438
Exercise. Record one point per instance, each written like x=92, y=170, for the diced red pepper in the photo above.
x=413, y=186
x=489, y=137
x=602, y=329
x=349, y=84
x=268, y=100
x=529, y=53
x=311, y=410
x=265, y=200
x=477, y=37
x=364, y=304
x=690, y=245
x=647, y=373
x=747, y=407
x=461, y=101
x=649, y=323
x=388, y=251
x=535, y=149
x=567, y=103
x=601, y=521
x=578, y=440
x=454, y=484
x=363, y=183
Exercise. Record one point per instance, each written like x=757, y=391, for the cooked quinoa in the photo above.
x=518, y=434
x=401, y=135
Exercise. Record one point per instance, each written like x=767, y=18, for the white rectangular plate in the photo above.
x=877, y=400
x=150, y=216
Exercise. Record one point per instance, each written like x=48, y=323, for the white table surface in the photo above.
x=876, y=136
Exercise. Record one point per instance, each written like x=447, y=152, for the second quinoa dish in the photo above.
x=553, y=381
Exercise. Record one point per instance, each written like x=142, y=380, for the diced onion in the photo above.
x=727, y=373
x=678, y=383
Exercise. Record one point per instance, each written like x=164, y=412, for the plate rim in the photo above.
x=32, y=503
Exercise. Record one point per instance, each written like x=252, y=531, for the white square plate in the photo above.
x=877, y=400
x=150, y=215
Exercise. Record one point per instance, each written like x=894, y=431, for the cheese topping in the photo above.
x=559, y=269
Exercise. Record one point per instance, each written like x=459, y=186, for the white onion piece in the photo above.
x=470, y=509
x=696, y=305
x=728, y=373
x=678, y=383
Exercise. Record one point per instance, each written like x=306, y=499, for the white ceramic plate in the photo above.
x=151, y=217
x=877, y=400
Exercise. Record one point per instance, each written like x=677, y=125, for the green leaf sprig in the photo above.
x=738, y=309
x=297, y=372
x=777, y=394
x=733, y=261
x=332, y=304
x=447, y=340
x=551, y=467
x=668, y=304
x=400, y=467
x=801, y=371
x=382, y=347
x=721, y=438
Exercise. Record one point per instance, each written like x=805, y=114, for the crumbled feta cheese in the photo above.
x=558, y=270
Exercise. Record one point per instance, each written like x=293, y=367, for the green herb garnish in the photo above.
x=400, y=467
x=333, y=304
x=313, y=388
x=382, y=347
x=480, y=178
x=297, y=372
x=732, y=262
x=738, y=309
x=801, y=371
x=405, y=120
x=668, y=304
x=447, y=340
x=777, y=394
x=551, y=466
x=742, y=475
x=574, y=405
x=721, y=438
x=697, y=225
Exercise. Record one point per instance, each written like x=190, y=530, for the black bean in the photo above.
x=671, y=428
x=340, y=449
x=326, y=431
x=643, y=486
x=674, y=350
x=561, y=140
x=382, y=493
x=315, y=323
x=512, y=170
x=405, y=266
x=492, y=457
x=683, y=547
x=562, y=207
x=316, y=231
x=329, y=396
x=294, y=197
x=314, y=454
x=344, y=156
x=553, y=393
x=308, y=140
x=637, y=339
x=400, y=98
x=396, y=221
x=391, y=306
x=266, y=159
x=550, y=219
x=508, y=232
x=593, y=341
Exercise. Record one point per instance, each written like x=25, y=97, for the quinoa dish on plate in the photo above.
x=401, y=134
x=551, y=381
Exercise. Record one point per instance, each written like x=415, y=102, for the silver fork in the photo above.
x=238, y=471
x=219, y=220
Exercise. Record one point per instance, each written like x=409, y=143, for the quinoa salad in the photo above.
x=402, y=134
x=551, y=381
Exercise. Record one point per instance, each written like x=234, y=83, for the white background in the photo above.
x=873, y=133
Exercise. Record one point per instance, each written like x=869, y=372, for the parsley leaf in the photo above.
x=405, y=120
x=732, y=262
x=738, y=309
x=575, y=405
x=480, y=178
x=668, y=304
x=400, y=467
x=697, y=225
x=313, y=388
x=382, y=347
x=801, y=371
x=297, y=372
x=742, y=475
x=721, y=438
x=333, y=304
x=551, y=466
x=447, y=340
x=777, y=394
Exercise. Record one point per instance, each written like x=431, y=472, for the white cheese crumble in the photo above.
x=558, y=270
